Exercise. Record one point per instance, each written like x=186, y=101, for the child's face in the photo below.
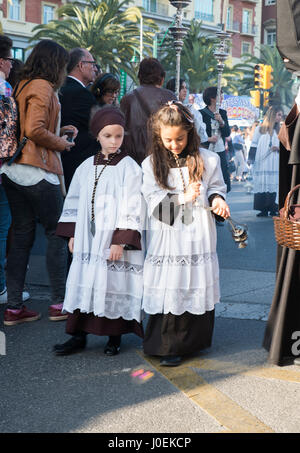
x=111, y=138
x=174, y=138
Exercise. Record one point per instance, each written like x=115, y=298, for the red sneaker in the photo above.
x=56, y=314
x=12, y=317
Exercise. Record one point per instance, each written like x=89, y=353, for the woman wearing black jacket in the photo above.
x=216, y=143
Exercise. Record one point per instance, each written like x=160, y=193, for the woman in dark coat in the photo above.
x=283, y=327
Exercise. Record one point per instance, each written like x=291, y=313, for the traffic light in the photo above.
x=255, y=98
x=267, y=77
x=258, y=75
x=266, y=98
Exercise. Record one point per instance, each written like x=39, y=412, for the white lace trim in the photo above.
x=112, y=306
x=177, y=301
x=181, y=260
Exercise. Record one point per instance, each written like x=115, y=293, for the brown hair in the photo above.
x=269, y=122
x=151, y=72
x=104, y=83
x=173, y=114
x=48, y=60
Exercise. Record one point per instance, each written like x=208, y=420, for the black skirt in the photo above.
x=265, y=202
x=171, y=335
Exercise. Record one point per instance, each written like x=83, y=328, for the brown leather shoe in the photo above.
x=13, y=317
x=56, y=314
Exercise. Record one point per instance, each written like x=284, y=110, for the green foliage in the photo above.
x=198, y=63
x=281, y=92
x=109, y=29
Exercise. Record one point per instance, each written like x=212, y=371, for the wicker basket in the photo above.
x=287, y=232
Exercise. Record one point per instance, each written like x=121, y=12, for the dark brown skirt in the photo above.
x=265, y=201
x=168, y=335
x=89, y=323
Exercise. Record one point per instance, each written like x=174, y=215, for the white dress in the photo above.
x=181, y=271
x=95, y=285
x=266, y=164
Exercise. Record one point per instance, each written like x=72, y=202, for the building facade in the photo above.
x=243, y=21
x=242, y=18
x=268, y=23
x=19, y=17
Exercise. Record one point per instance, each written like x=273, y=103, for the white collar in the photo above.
x=77, y=80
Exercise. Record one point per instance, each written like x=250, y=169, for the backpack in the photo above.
x=10, y=145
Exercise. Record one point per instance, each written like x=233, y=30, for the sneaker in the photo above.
x=56, y=314
x=3, y=296
x=12, y=317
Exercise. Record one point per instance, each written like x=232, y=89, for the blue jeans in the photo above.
x=5, y=221
x=27, y=203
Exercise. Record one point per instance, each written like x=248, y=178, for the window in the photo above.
x=246, y=47
x=48, y=13
x=229, y=17
x=270, y=2
x=204, y=10
x=247, y=21
x=270, y=37
x=14, y=11
x=18, y=53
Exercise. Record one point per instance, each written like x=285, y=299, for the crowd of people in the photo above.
x=129, y=197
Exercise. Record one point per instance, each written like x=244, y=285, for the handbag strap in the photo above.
x=288, y=200
x=143, y=103
x=17, y=86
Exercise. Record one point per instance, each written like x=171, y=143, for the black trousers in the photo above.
x=225, y=171
x=41, y=201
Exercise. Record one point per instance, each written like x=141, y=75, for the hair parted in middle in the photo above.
x=174, y=113
x=269, y=122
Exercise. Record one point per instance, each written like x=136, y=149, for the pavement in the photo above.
x=229, y=388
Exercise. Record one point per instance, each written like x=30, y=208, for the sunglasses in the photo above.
x=9, y=59
x=90, y=62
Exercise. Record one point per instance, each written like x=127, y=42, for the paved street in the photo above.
x=228, y=389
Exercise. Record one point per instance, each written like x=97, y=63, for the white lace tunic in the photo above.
x=181, y=271
x=266, y=164
x=95, y=285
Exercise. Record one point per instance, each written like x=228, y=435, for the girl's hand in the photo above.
x=193, y=191
x=71, y=245
x=220, y=207
x=116, y=252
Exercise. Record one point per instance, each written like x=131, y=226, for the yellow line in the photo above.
x=229, y=414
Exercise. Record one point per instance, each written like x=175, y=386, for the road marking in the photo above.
x=230, y=415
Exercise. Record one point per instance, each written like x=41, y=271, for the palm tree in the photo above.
x=109, y=29
x=198, y=63
x=281, y=92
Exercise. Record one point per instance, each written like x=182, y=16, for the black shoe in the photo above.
x=174, y=360
x=262, y=214
x=111, y=349
x=75, y=344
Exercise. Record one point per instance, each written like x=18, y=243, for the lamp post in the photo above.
x=221, y=54
x=178, y=32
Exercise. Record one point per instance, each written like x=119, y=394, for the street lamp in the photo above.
x=221, y=54
x=178, y=32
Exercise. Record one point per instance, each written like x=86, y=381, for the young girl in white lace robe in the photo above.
x=102, y=216
x=181, y=273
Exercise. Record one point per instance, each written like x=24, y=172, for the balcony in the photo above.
x=152, y=6
x=234, y=26
x=248, y=29
x=204, y=16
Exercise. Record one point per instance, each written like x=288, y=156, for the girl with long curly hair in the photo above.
x=182, y=185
